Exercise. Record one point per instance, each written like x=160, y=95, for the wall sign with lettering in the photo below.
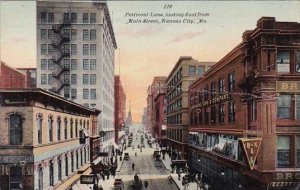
x=250, y=147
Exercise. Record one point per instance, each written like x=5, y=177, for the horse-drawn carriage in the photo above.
x=156, y=155
x=119, y=184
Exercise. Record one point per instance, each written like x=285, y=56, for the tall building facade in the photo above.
x=10, y=77
x=184, y=73
x=120, y=108
x=157, y=87
x=251, y=93
x=44, y=140
x=30, y=76
x=75, y=57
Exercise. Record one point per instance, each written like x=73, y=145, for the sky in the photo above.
x=146, y=50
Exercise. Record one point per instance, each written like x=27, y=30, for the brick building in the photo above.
x=44, y=140
x=10, y=77
x=184, y=73
x=157, y=87
x=120, y=109
x=250, y=93
x=30, y=76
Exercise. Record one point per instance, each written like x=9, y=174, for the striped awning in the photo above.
x=285, y=184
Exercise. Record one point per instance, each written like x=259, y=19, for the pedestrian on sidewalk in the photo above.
x=132, y=165
x=103, y=176
x=178, y=172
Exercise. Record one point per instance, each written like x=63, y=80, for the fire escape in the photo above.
x=61, y=57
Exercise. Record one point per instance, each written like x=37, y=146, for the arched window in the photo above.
x=77, y=160
x=39, y=128
x=66, y=128
x=58, y=127
x=59, y=168
x=15, y=129
x=51, y=174
x=84, y=155
x=72, y=162
x=15, y=175
x=81, y=159
x=50, y=128
x=88, y=125
x=71, y=129
x=40, y=177
x=84, y=124
x=66, y=165
x=76, y=128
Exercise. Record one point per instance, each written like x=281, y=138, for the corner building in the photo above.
x=75, y=57
x=184, y=73
x=251, y=92
x=44, y=140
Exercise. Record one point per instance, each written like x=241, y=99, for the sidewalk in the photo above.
x=167, y=163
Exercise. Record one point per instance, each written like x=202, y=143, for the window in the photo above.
x=93, y=49
x=206, y=92
x=73, y=49
x=73, y=34
x=59, y=168
x=213, y=89
x=66, y=165
x=50, y=64
x=253, y=110
x=43, y=48
x=43, y=79
x=72, y=162
x=43, y=17
x=15, y=176
x=93, y=79
x=231, y=81
x=221, y=114
x=73, y=78
x=50, y=17
x=93, y=34
x=40, y=177
x=93, y=18
x=85, y=49
x=66, y=18
x=85, y=34
x=73, y=64
x=66, y=48
x=71, y=129
x=76, y=128
x=50, y=49
x=298, y=151
x=231, y=112
x=298, y=61
x=58, y=128
x=85, y=93
x=51, y=174
x=66, y=128
x=67, y=92
x=73, y=17
x=50, y=79
x=192, y=70
x=85, y=79
x=283, y=151
x=77, y=160
x=66, y=78
x=221, y=86
x=43, y=34
x=39, y=128
x=213, y=114
x=81, y=159
x=43, y=64
x=85, y=64
x=283, y=61
x=206, y=115
x=85, y=17
x=50, y=128
x=93, y=94
x=73, y=94
x=93, y=64
x=284, y=107
x=15, y=129
x=200, y=71
x=298, y=107
x=50, y=33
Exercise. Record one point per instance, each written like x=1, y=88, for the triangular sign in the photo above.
x=250, y=147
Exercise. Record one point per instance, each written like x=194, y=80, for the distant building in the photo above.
x=75, y=57
x=253, y=92
x=184, y=73
x=144, y=116
x=44, y=140
x=10, y=77
x=120, y=107
x=30, y=76
x=129, y=117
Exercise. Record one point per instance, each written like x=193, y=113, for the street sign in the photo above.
x=87, y=179
x=250, y=147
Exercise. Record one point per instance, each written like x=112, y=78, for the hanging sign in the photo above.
x=250, y=147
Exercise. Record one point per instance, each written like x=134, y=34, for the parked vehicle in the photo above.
x=126, y=156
